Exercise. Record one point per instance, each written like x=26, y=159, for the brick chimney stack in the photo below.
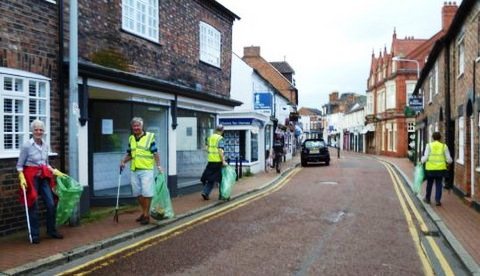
x=448, y=12
x=333, y=96
x=252, y=51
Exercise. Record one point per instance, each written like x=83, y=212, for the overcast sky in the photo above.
x=329, y=43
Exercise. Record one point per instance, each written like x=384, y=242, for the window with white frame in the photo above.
x=369, y=103
x=410, y=87
x=394, y=138
x=210, y=44
x=435, y=74
x=383, y=137
x=140, y=17
x=24, y=97
x=430, y=132
x=461, y=139
x=461, y=55
x=391, y=95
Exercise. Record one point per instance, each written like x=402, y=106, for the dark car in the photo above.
x=314, y=150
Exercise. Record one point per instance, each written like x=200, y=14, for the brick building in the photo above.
x=29, y=89
x=166, y=61
x=450, y=90
x=390, y=84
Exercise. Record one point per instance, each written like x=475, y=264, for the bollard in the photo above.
x=338, y=152
x=236, y=167
x=241, y=169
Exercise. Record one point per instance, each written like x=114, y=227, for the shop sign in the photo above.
x=262, y=101
x=240, y=122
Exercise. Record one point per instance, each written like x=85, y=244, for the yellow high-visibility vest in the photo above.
x=212, y=144
x=436, y=160
x=142, y=157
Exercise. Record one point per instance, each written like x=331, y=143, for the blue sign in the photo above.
x=415, y=102
x=240, y=122
x=262, y=100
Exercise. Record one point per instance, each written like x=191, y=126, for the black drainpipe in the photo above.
x=449, y=134
x=61, y=86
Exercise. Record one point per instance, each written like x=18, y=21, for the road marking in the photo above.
x=139, y=246
x=423, y=227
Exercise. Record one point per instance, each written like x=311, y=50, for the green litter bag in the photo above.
x=418, y=177
x=68, y=191
x=161, y=205
x=228, y=180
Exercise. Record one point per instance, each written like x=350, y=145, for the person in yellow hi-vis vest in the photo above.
x=143, y=153
x=435, y=158
x=213, y=172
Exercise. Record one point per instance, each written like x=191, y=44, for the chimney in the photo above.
x=333, y=96
x=252, y=51
x=448, y=12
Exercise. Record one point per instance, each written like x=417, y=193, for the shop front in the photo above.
x=248, y=138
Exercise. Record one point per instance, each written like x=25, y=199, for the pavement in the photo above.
x=457, y=222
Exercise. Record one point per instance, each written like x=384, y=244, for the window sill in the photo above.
x=11, y=155
x=460, y=161
x=477, y=169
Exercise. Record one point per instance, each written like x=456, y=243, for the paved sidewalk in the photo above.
x=459, y=224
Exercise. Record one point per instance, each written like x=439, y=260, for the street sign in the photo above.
x=415, y=102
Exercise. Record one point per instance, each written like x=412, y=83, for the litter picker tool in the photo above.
x=115, y=217
x=26, y=212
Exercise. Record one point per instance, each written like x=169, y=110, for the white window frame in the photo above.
x=436, y=78
x=461, y=140
x=391, y=95
x=140, y=17
x=409, y=87
x=210, y=45
x=461, y=55
x=38, y=99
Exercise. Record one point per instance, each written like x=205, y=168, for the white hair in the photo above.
x=136, y=120
x=37, y=123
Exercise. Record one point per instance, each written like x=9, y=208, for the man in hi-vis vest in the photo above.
x=213, y=172
x=435, y=158
x=143, y=153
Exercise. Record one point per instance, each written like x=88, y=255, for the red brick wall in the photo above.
x=28, y=42
x=176, y=57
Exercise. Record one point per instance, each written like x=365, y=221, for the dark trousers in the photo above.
x=438, y=187
x=43, y=189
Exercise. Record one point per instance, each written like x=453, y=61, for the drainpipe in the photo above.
x=449, y=135
x=73, y=109
x=61, y=86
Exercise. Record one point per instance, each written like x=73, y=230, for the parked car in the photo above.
x=314, y=150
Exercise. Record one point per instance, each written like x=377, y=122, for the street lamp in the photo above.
x=396, y=58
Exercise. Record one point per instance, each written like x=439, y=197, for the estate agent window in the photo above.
x=24, y=97
x=140, y=17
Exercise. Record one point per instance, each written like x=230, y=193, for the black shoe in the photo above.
x=145, y=221
x=426, y=200
x=139, y=218
x=438, y=203
x=56, y=235
x=35, y=240
x=205, y=197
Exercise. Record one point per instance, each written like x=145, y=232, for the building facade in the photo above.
x=450, y=90
x=392, y=79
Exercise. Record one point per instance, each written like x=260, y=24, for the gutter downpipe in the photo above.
x=449, y=137
x=73, y=108
x=61, y=85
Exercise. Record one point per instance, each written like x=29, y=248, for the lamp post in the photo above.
x=396, y=58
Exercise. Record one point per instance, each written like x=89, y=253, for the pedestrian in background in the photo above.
x=278, y=149
x=143, y=154
x=37, y=178
x=216, y=160
x=435, y=158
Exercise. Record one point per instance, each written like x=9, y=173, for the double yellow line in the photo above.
x=405, y=200
x=124, y=252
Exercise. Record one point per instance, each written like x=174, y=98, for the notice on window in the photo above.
x=107, y=126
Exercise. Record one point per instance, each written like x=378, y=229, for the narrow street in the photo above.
x=349, y=218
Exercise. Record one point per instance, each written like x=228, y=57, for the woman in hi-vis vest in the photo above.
x=435, y=158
